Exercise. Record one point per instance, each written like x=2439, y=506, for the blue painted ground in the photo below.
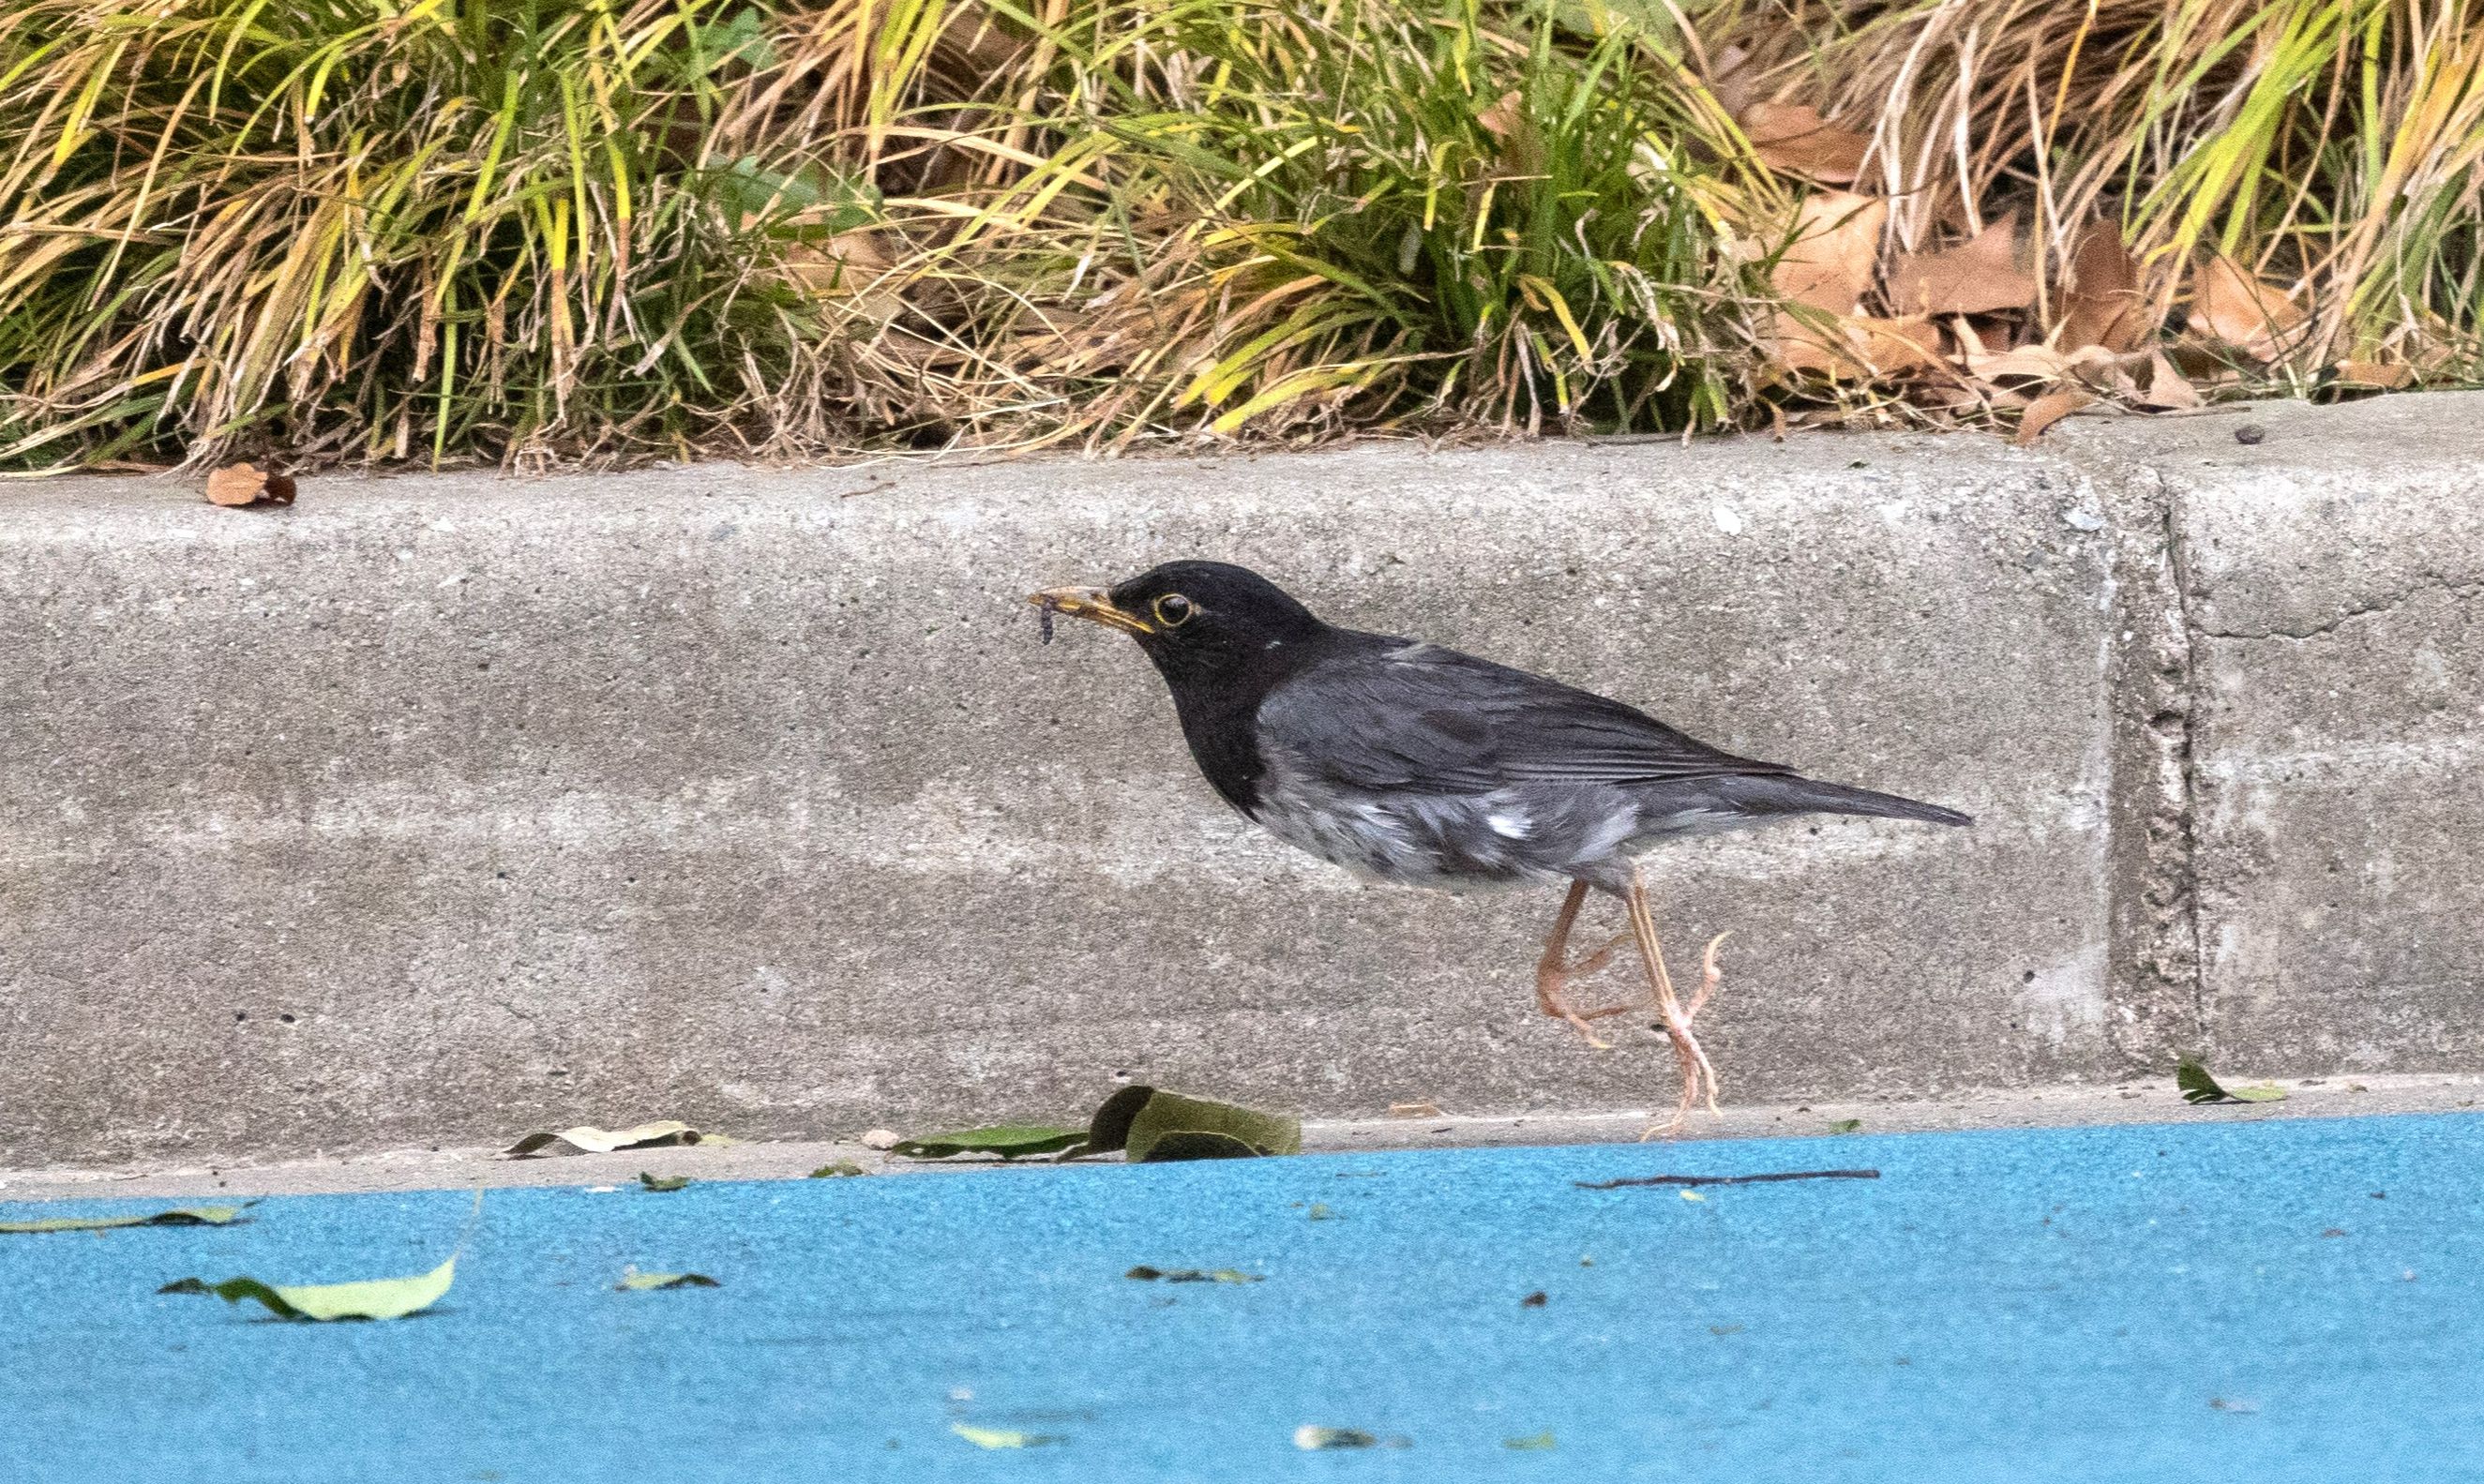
x=2266, y=1301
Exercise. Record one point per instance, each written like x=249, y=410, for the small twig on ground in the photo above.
x=1731, y=1180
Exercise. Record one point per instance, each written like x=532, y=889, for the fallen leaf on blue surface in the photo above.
x=1146, y=1274
x=1536, y=1443
x=378, y=1298
x=635, y=1281
x=1308, y=1438
x=178, y=1216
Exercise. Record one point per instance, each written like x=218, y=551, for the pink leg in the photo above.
x=1552, y=975
x=1698, y=1076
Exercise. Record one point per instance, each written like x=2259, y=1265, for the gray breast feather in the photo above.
x=1522, y=833
x=1419, y=765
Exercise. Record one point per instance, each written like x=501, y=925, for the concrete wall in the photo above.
x=434, y=810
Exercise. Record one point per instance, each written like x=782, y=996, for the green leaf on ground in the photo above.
x=2199, y=1087
x=378, y=1298
x=635, y=1281
x=1846, y=1126
x=586, y=1139
x=662, y=1183
x=1308, y=1437
x=741, y=37
x=178, y=1216
x=1108, y=1132
x=1000, y=1437
x=840, y=1170
x=1153, y=1125
x=1649, y=19
x=1009, y=1140
x=827, y=204
x=1149, y=1275
x=1537, y=1443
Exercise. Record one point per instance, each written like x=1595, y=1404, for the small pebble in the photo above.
x=2250, y=433
x=879, y=1139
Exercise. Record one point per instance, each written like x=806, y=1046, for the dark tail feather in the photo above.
x=1789, y=794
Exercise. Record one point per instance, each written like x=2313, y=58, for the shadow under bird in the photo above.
x=1424, y=766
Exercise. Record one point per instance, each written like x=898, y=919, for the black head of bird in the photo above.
x=1421, y=766
x=1204, y=623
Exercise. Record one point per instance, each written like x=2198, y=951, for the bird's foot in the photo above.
x=1698, y=1073
x=1553, y=980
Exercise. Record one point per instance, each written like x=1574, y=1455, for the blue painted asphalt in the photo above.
x=2266, y=1301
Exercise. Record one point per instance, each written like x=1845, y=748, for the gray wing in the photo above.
x=1400, y=716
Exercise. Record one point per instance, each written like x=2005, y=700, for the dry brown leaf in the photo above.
x=1858, y=346
x=1899, y=345
x=2165, y=390
x=1799, y=346
x=1792, y=137
x=844, y=265
x=2047, y=410
x=851, y=271
x=977, y=41
x=1979, y=278
x=247, y=484
x=2105, y=372
x=2100, y=300
x=1730, y=76
x=2028, y=363
x=1503, y=116
x=1975, y=340
x=2373, y=373
x=2254, y=317
x=1837, y=242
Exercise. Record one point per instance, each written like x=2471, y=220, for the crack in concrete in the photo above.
x=2389, y=605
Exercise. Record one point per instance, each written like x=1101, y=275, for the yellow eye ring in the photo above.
x=1173, y=610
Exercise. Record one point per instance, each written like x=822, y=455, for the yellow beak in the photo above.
x=1093, y=604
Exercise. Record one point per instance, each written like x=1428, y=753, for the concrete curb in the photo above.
x=438, y=808
x=2080, y=1105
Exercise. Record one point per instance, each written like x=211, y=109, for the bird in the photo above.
x=1412, y=764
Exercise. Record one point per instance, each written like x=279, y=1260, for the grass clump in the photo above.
x=361, y=232
x=1298, y=219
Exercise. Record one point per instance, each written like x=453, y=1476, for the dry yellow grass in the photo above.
x=521, y=230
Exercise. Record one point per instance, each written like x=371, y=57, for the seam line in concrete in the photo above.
x=2187, y=758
